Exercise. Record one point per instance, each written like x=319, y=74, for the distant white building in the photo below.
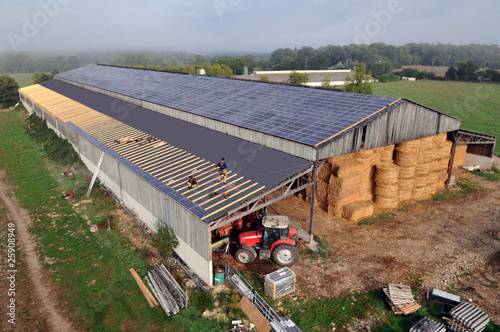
x=316, y=77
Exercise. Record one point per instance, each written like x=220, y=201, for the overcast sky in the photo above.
x=211, y=26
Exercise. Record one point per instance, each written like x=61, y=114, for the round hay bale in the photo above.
x=387, y=154
x=386, y=190
x=421, y=170
x=405, y=159
x=439, y=139
x=420, y=193
x=404, y=195
x=407, y=172
x=386, y=173
x=386, y=202
x=408, y=146
x=447, y=148
x=363, y=154
x=405, y=185
x=424, y=156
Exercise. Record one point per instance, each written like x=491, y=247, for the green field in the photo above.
x=476, y=104
x=22, y=79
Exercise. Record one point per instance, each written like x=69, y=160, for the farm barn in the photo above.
x=146, y=131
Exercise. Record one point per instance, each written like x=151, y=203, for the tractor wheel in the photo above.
x=244, y=256
x=285, y=254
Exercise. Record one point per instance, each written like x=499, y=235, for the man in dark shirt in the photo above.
x=222, y=169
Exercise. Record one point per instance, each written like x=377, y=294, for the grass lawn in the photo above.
x=22, y=79
x=476, y=104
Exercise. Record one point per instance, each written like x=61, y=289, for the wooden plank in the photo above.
x=204, y=186
x=150, y=152
x=222, y=208
x=177, y=169
x=204, y=192
x=260, y=322
x=186, y=158
x=220, y=195
x=205, y=165
x=145, y=291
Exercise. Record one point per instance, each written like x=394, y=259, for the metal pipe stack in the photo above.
x=167, y=291
x=467, y=317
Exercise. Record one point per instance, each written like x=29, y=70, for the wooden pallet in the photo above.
x=400, y=299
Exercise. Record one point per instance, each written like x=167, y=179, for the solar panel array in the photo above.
x=299, y=114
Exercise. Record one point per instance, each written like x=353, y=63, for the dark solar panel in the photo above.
x=304, y=115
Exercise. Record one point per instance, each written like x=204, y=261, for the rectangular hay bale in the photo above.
x=357, y=210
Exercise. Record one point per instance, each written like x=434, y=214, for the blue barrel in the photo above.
x=219, y=276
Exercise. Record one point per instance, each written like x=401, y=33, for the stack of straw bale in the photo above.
x=460, y=151
x=357, y=210
x=366, y=159
x=348, y=185
x=406, y=158
x=422, y=188
x=386, y=185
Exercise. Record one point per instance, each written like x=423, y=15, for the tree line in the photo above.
x=19, y=62
x=330, y=56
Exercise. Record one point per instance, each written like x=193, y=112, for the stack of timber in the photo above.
x=169, y=293
x=466, y=317
x=428, y=325
x=279, y=283
x=401, y=299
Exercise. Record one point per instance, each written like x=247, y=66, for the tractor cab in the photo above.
x=275, y=228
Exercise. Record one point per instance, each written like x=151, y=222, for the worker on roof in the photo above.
x=222, y=169
x=192, y=182
x=127, y=139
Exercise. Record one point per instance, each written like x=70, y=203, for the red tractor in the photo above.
x=276, y=238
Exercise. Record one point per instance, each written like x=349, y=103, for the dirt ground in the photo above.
x=449, y=245
x=35, y=296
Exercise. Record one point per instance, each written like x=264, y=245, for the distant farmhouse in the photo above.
x=316, y=77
